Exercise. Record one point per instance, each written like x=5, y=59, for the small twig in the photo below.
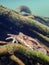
x=16, y=59
x=3, y=42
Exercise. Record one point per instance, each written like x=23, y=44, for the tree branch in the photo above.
x=16, y=59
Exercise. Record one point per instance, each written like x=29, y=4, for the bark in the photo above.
x=20, y=20
x=11, y=48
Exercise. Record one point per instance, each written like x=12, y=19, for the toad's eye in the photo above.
x=14, y=41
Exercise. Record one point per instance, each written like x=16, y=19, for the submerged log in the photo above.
x=11, y=48
x=19, y=20
x=42, y=36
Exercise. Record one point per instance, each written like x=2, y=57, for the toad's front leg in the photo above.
x=11, y=36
